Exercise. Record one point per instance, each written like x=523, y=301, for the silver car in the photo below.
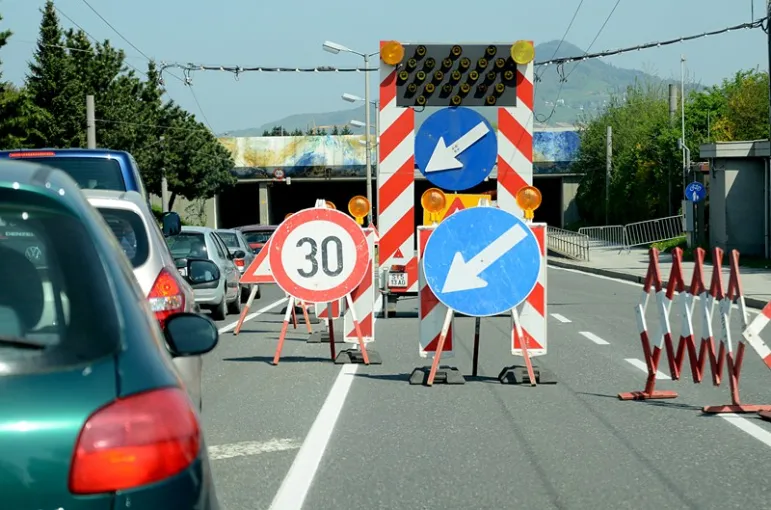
x=132, y=222
x=204, y=243
x=235, y=241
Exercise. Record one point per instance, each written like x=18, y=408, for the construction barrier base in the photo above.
x=517, y=374
x=651, y=395
x=740, y=408
x=445, y=374
x=314, y=337
x=355, y=356
x=323, y=337
x=765, y=415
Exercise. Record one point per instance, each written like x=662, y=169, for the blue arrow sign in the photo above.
x=482, y=261
x=456, y=148
x=695, y=192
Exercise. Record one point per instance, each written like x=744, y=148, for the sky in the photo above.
x=291, y=33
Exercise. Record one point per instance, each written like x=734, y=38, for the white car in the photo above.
x=132, y=222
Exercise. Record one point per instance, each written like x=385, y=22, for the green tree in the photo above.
x=346, y=131
x=297, y=132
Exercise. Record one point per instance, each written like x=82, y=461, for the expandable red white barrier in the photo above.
x=430, y=311
x=364, y=298
x=684, y=297
x=533, y=317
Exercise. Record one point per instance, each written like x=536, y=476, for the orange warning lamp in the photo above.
x=528, y=199
x=330, y=205
x=288, y=215
x=392, y=53
x=358, y=206
x=434, y=201
x=522, y=52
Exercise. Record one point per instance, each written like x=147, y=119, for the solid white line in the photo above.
x=247, y=448
x=561, y=318
x=594, y=338
x=747, y=426
x=642, y=366
x=232, y=325
x=291, y=495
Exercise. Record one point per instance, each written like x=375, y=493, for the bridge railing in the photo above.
x=567, y=243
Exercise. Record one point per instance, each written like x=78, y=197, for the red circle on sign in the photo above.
x=316, y=214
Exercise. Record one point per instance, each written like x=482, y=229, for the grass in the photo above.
x=681, y=242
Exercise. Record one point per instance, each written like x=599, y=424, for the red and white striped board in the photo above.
x=364, y=298
x=430, y=310
x=259, y=270
x=321, y=309
x=533, y=312
x=515, y=142
x=396, y=181
x=752, y=334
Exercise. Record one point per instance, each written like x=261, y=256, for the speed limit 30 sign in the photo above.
x=318, y=255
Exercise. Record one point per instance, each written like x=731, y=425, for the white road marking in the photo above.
x=747, y=426
x=642, y=366
x=594, y=338
x=247, y=448
x=561, y=318
x=291, y=495
x=232, y=325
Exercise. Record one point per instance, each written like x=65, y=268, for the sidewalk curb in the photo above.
x=618, y=275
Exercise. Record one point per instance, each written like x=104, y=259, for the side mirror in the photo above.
x=190, y=334
x=172, y=224
x=202, y=271
x=239, y=254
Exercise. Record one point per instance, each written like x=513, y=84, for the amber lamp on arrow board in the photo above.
x=522, y=52
x=528, y=199
x=434, y=201
x=330, y=205
x=392, y=53
x=358, y=206
x=288, y=215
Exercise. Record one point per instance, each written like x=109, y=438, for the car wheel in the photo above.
x=234, y=306
x=258, y=293
x=220, y=312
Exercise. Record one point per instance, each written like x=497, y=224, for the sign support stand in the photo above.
x=331, y=326
x=284, y=326
x=360, y=354
x=245, y=311
x=447, y=374
x=477, y=327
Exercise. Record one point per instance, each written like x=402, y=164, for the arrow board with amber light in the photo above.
x=482, y=261
x=456, y=149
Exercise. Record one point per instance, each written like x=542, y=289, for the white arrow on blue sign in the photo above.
x=482, y=261
x=695, y=192
x=456, y=148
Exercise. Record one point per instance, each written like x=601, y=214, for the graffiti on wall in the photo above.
x=345, y=155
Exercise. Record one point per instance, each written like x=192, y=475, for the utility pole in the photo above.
x=368, y=138
x=672, y=117
x=608, y=167
x=90, y=122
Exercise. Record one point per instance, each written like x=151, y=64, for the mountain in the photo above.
x=590, y=83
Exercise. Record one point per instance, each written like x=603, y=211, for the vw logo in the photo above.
x=33, y=253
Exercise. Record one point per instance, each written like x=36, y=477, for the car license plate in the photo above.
x=183, y=271
x=397, y=279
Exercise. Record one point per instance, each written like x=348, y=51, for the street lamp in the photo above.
x=335, y=48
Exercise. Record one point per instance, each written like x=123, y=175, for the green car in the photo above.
x=93, y=414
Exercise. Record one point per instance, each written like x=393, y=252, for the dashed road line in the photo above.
x=249, y=448
x=637, y=363
x=594, y=338
x=745, y=425
x=561, y=318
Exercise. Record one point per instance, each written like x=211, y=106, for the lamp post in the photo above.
x=351, y=98
x=335, y=48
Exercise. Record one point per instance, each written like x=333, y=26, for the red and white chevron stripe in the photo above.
x=533, y=312
x=515, y=143
x=430, y=310
x=396, y=181
x=363, y=298
x=321, y=309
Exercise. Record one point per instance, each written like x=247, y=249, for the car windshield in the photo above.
x=230, y=238
x=130, y=231
x=88, y=172
x=55, y=298
x=258, y=236
x=187, y=245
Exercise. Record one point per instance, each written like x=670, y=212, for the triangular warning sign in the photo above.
x=259, y=270
x=456, y=205
x=398, y=254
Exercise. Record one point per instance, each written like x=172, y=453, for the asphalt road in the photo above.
x=371, y=440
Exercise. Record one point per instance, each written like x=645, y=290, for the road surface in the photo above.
x=370, y=440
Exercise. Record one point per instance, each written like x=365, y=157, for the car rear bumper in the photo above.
x=208, y=296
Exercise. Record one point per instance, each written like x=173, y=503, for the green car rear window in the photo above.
x=56, y=305
x=88, y=172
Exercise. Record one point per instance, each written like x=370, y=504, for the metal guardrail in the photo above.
x=609, y=235
x=644, y=233
x=567, y=243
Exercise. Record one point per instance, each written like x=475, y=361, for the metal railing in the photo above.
x=610, y=235
x=567, y=243
x=644, y=233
